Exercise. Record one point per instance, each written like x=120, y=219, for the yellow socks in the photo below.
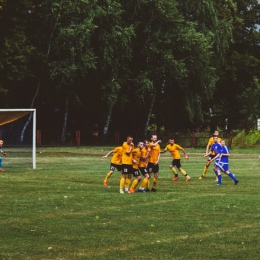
x=173, y=170
x=205, y=171
x=134, y=184
x=154, y=182
x=107, y=176
x=122, y=183
x=183, y=172
x=127, y=183
x=144, y=183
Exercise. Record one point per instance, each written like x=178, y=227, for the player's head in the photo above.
x=215, y=139
x=140, y=145
x=171, y=141
x=1, y=142
x=223, y=142
x=154, y=138
x=216, y=133
x=146, y=143
x=129, y=139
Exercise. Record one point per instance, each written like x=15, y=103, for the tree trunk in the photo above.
x=149, y=114
x=105, y=130
x=65, y=121
x=40, y=79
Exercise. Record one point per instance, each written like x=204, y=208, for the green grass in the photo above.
x=61, y=210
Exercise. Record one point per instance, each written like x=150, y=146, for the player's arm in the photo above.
x=165, y=150
x=158, y=142
x=158, y=159
x=3, y=152
x=130, y=149
x=217, y=156
x=185, y=154
x=105, y=156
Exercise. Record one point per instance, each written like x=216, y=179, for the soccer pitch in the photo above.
x=61, y=210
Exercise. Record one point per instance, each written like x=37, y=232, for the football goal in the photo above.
x=18, y=131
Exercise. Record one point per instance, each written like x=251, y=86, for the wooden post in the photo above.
x=78, y=138
x=230, y=139
x=193, y=140
x=39, y=138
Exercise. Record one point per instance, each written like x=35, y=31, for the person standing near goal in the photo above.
x=2, y=152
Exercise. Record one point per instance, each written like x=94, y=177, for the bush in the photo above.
x=244, y=140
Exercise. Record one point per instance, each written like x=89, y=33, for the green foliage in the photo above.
x=246, y=140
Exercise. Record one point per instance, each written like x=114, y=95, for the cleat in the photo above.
x=121, y=192
x=2, y=170
x=131, y=191
x=188, y=178
x=218, y=184
x=147, y=190
x=202, y=177
x=153, y=190
x=104, y=183
x=236, y=182
x=141, y=190
x=175, y=178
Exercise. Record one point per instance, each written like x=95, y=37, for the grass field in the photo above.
x=61, y=210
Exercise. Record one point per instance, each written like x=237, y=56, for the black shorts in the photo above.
x=115, y=166
x=136, y=172
x=153, y=168
x=127, y=169
x=143, y=170
x=211, y=156
x=176, y=162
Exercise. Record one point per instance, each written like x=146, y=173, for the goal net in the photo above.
x=18, y=134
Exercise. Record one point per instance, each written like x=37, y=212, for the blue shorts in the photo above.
x=222, y=166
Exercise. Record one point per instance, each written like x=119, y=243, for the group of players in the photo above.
x=144, y=160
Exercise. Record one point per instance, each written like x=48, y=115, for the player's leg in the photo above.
x=112, y=168
x=137, y=179
x=205, y=169
x=230, y=174
x=144, y=183
x=122, y=183
x=155, y=177
x=176, y=176
x=1, y=169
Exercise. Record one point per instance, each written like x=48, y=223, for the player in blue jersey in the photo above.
x=2, y=152
x=222, y=165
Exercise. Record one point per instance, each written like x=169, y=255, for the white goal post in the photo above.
x=10, y=116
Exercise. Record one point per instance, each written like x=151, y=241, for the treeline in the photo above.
x=132, y=65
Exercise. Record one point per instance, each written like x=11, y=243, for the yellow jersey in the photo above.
x=126, y=156
x=136, y=156
x=117, y=156
x=174, y=150
x=144, y=152
x=155, y=152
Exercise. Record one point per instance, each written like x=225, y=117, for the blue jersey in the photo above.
x=216, y=147
x=224, y=150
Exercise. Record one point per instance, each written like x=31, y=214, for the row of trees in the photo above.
x=132, y=65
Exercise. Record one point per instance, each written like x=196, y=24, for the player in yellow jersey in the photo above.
x=154, y=158
x=143, y=166
x=212, y=155
x=127, y=164
x=116, y=162
x=136, y=160
x=174, y=150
